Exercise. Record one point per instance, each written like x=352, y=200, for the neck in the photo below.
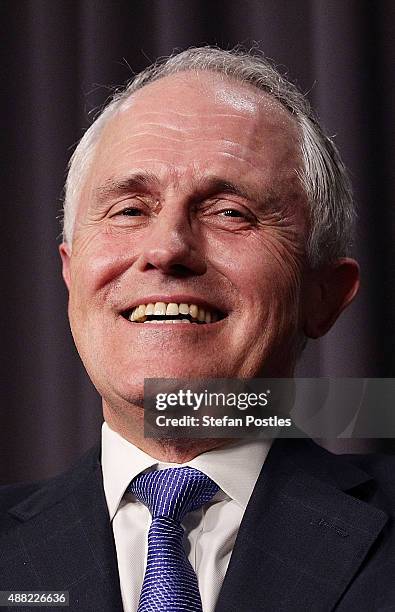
x=166, y=450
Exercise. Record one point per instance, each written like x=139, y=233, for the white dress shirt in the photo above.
x=210, y=531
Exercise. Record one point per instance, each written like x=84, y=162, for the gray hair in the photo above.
x=324, y=177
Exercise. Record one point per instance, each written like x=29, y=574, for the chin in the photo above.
x=188, y=373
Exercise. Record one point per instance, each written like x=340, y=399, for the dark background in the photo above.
x=59, y=57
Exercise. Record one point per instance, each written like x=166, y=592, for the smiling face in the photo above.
x=192, y=199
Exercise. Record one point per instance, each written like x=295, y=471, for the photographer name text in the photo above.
x=245, y=420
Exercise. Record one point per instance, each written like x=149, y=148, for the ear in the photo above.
x=65, y=254
x=328, y=291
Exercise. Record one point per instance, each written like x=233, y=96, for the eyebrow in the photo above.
x=142, y=182
x=145, y=182
x=213, y=185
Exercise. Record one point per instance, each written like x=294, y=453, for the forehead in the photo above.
x=200, y=91
x=185, y=123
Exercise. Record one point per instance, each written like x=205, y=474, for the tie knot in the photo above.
x=173, y=492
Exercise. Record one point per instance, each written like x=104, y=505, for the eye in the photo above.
x=227, y=214
x=133, y=207
x=131, y=212
x=232, y=212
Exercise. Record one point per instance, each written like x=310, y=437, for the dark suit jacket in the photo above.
x=317, y=535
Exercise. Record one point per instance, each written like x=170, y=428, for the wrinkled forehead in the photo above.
x=195, y=94
x=175, y=116
x=206, y=87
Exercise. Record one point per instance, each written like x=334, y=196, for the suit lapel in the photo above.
x=65, y=541
x=303, y=536
x=305, y=533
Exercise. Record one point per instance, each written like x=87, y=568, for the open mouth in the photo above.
x=162, y=312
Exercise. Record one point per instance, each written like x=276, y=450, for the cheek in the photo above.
x=98, y=263
x=267, y=274
x=262, y=268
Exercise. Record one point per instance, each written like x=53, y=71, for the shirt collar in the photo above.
x=234, y=467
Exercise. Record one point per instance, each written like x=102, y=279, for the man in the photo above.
x=205, y=191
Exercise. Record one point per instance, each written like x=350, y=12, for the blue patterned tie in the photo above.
x=170, y=584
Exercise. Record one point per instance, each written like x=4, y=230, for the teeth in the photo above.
x=193, y=311
x=134, y=315
x=150, y=309
x=181, y=321
x=160, y=308
x=201, y=314
x=141, y=312
x=172, y=309
x=138, y=314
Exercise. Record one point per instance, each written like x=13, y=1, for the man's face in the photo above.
x=192, y=198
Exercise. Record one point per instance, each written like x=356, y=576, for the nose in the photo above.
x=171, y=247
